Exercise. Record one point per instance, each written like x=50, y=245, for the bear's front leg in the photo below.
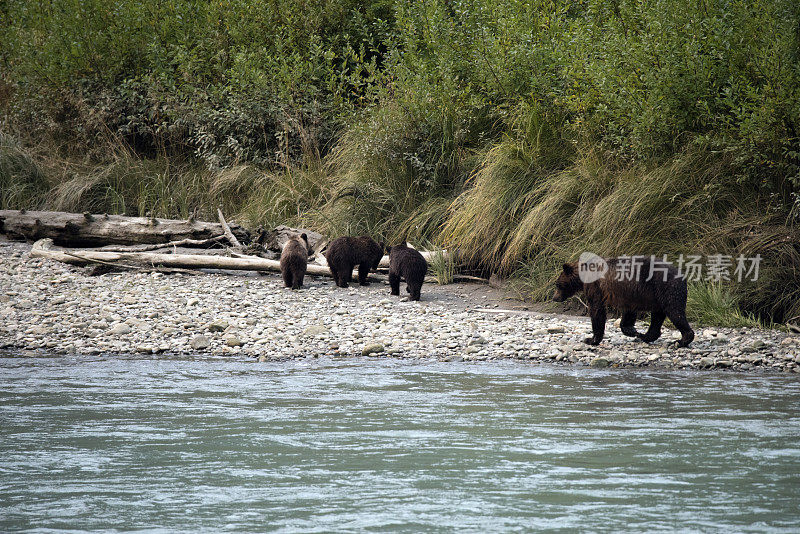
x=598, y=314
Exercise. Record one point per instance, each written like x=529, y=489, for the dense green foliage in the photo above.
x=520, y=131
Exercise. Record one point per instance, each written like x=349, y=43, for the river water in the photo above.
x=110, y=443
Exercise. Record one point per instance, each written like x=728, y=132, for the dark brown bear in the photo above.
x=294, y=261
x=629, y=291
x=408, y=264
x=344, y=253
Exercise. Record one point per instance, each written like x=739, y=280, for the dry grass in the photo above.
x=523, y=221
x=522, y=212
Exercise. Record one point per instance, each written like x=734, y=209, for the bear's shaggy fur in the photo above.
x=664, y=296
x=408, y=264
x=344, y=253
x=294, y=261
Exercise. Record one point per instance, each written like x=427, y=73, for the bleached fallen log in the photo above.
x=86, y=230
x=44, y=248
x=187, y=243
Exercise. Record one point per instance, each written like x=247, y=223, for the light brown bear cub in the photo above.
x=294, y=261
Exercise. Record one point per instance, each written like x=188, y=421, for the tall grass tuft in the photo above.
x=482, y=221
x=271, y=198
x=521, y=220
x=23, y=183
x=393, y=176
x=713, y=304
x=133, y=186
x=443, y=267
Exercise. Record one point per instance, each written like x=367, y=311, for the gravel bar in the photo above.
x=51, y=308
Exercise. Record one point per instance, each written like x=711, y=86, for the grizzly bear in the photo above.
x=652, y=285
x=408, y=264
x=294, y=261
x=344, y=253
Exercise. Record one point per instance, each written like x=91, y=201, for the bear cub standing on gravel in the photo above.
x=294, y=261
x=408, y=264
x=658, y=288
x=344, y=253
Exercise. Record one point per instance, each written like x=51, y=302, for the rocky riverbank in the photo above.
x=48, y=307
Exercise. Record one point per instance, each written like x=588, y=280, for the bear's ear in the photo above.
x=383, y=247
x=304, y=237
x=568, y=269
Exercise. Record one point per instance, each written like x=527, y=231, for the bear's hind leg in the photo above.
x=394, y=283
x=287, y=277
x=654, y=332
x=345, y=275
x=334, y=274
x=297, y=281
x=680, y=322
x=414, y=291
x=627, y=324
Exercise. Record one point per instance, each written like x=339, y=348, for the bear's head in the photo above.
x=302, y=240
x=568, y=282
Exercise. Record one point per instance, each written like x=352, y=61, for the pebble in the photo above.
x=233, y=341
x=200, y=342
x=372, y=348
x=217, y=326
x=478, y=340
x=120, y=329
x=316, y=330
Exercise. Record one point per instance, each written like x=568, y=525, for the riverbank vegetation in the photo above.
x=520, y=133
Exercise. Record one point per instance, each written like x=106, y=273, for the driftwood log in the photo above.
x=44, y=248
x=227, y=231
x=87, y=230
x=187, y=243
